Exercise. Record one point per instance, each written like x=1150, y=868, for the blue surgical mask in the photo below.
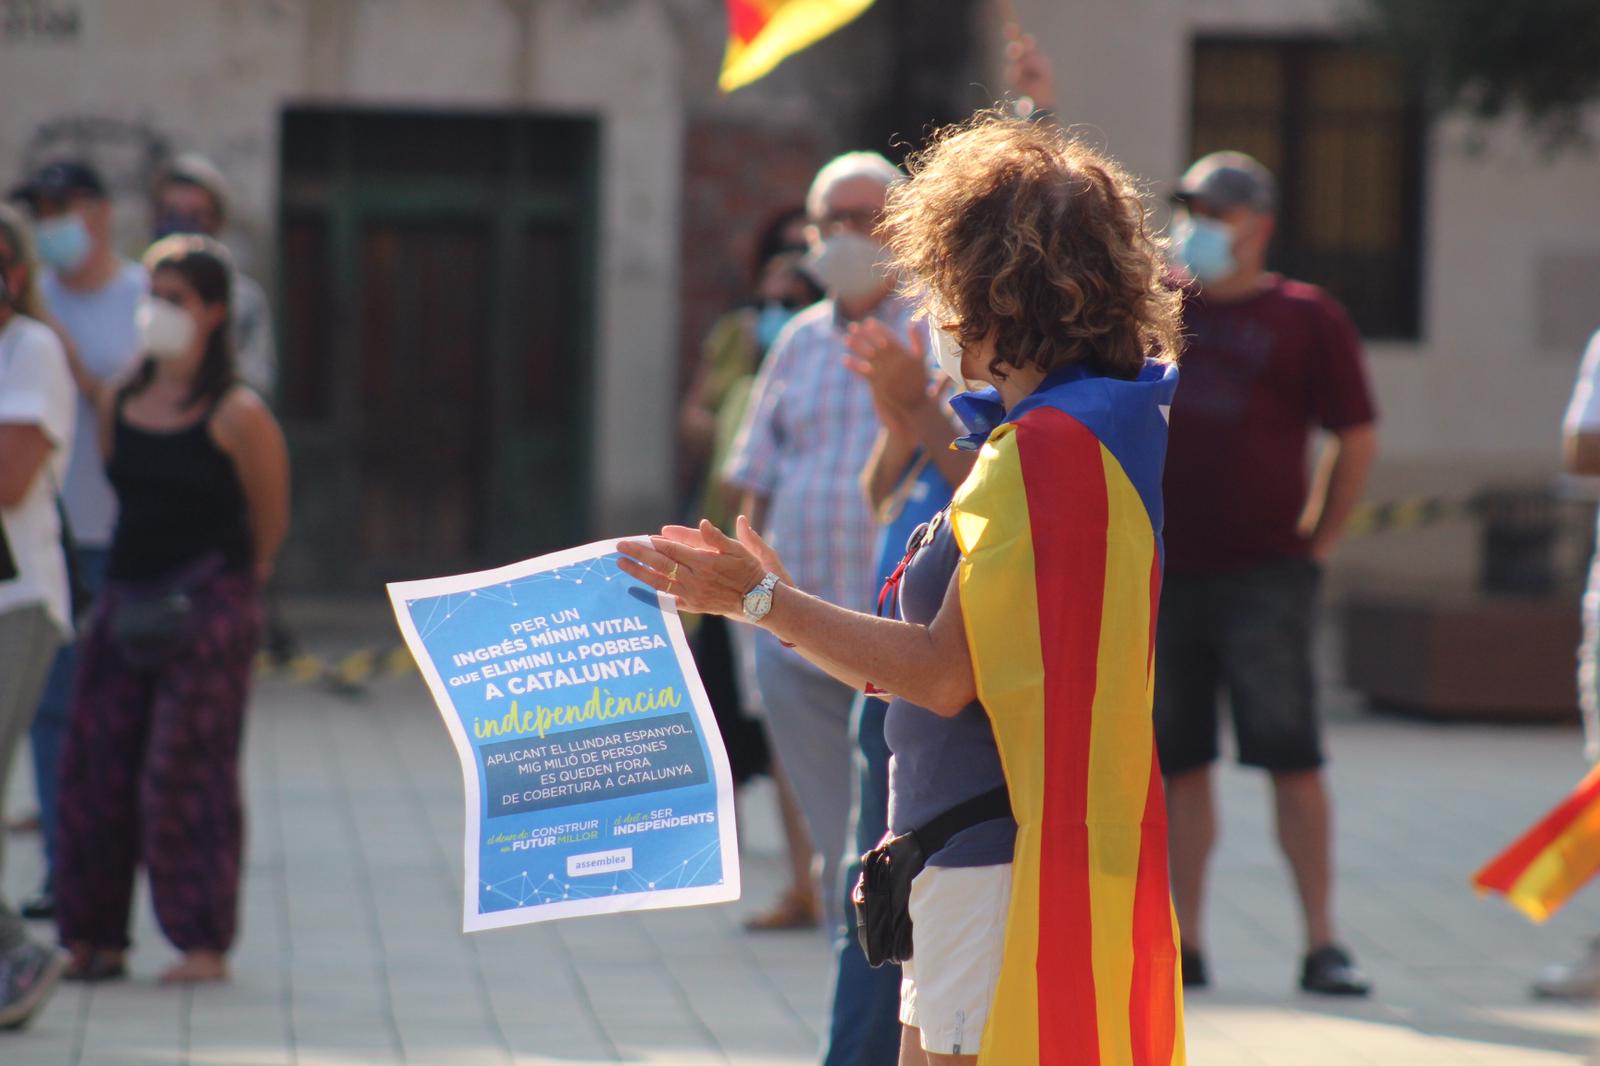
x=64, y=242
x=770, y=322
x=1205, y=247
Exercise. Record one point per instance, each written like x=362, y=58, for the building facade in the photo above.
x=495, y=229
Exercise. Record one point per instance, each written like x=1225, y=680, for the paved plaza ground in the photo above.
x=352, y=953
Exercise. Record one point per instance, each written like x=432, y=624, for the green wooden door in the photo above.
x=438, y=341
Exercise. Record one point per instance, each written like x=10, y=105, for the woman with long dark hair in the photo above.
x=150, y=771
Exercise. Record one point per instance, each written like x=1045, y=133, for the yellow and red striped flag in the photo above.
x=1060, y=532
x=763, y=33
x=1543, y=868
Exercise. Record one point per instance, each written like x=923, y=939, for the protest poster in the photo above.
x=595, y=778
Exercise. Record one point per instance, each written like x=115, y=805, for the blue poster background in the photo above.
x=594, y=776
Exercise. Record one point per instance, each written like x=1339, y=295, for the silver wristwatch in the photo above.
x=758, y=601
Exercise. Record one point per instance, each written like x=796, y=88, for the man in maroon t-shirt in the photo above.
x=1247, y=532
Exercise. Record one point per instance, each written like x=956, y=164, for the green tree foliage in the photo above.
x=1493, y=57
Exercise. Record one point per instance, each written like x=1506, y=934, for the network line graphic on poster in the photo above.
x=530, y=892
x=594, y=775
x=445, y=608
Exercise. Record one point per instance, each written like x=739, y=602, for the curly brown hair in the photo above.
x=1027, y=237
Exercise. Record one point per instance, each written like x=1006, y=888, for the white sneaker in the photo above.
x=1578, y=981
x=28, y=974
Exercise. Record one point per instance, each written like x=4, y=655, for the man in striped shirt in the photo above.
x=806, y=436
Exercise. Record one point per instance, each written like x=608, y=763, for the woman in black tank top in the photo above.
x=150, y=771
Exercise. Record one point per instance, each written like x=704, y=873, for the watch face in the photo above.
x=758, y=603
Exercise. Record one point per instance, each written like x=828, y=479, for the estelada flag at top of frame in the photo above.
x=763, y=33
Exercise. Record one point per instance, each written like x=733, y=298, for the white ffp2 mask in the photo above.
x=948, y=351
x=848, y=265
x=165, y=330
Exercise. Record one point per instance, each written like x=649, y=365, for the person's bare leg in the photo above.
x=800, y=906
x=1305, y=833
x=1191, y=836
x=796, y=836
x=911, y=1053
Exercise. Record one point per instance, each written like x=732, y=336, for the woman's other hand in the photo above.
x=897, y=371
x=704, y=569
x=1028, y=70
x=763, y=551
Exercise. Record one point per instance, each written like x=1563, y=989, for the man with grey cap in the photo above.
x=191, y=196
x=1247, y=533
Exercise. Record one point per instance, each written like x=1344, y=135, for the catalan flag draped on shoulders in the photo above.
x=1543, y=868
x=763, y=33
x=1060, y=530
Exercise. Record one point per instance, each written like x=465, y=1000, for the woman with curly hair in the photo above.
x=1024, y=773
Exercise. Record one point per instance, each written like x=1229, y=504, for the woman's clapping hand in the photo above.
x=703, y=568
x=895, y=368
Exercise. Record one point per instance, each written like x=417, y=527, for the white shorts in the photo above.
x=958, y=928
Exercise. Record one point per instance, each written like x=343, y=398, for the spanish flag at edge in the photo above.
x=763, y=33
x=1059, y=526
x=1543, y=868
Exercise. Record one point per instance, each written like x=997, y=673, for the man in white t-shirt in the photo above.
x=1580, y=433
x=91, y=292
x=37, y=413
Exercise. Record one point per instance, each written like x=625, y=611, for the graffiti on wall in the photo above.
x=39, y=20
x=128, y=153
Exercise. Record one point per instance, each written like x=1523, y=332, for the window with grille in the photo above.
x=1343, y=130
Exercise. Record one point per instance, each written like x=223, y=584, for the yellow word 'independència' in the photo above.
x=601, y=706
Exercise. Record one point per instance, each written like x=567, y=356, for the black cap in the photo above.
x=60, y=180
x=1228, y=179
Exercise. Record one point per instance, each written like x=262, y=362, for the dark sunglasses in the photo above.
x=862, y=218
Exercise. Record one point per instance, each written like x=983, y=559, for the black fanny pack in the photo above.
x=151, y=621
x=882, y=895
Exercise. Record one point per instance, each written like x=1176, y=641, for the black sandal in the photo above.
x=96, y=966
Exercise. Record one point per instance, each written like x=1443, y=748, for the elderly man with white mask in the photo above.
x=807, y=435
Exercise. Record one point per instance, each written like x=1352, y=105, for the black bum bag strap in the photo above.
x=986, y=807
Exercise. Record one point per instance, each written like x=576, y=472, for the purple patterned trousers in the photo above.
x=150, y=772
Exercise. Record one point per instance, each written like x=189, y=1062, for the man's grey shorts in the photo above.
x=1247, y=635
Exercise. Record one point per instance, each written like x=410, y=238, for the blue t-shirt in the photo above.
x=925, y=497
x=101, y=326
x=938, y=762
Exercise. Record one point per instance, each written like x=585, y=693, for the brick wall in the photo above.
x=738, y=172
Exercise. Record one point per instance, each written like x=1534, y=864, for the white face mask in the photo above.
x=848, y=265
x=166, y=331
x=948, y=351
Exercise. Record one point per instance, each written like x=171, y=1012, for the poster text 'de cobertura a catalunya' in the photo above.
x=595, y=778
